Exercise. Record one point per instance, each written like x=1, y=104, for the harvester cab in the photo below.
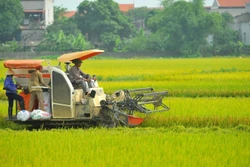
x=69, y=106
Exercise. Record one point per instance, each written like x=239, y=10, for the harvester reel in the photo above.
x=138, y=99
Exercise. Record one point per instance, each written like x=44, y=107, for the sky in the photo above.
x=72, y=4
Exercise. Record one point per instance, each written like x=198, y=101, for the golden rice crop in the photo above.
x=175, y=142
x=202, y=77
x=182, y=77
x=202, y=112
x=189, y=112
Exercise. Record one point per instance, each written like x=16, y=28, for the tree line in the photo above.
x=180, y=27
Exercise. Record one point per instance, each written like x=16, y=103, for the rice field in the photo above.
x=125, y=147
x=193, y=112
x=224, y=77
x=208, y=123
x=203, y=77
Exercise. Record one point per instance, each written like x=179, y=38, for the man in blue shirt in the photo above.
x=11, y=92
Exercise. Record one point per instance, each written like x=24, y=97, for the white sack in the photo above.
x=40, y=115
x=23, y=115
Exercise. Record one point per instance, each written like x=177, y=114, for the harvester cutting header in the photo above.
x=67, y=104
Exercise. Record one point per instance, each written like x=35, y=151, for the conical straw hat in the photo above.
x=10, y=72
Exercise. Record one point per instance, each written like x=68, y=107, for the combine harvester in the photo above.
x=68, y=106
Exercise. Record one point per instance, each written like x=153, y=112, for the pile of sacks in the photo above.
x=24, y=115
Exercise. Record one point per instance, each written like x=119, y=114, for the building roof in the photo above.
x=126, y=7
x=123, y=8
x=232, y=3
x=69, y=14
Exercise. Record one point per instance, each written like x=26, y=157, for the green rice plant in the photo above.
x=176, y=146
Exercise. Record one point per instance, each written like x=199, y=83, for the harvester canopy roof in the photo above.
x=79, y=55
x=19, y=64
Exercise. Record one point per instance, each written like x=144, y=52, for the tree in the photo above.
x=11, y=15
x=184, y=25
x=67, y=25
x=141, y=14
x=150, y=14
x=102, y=21
x=60, y=42
x=10, y=46
x=138, y=13
x=225, y=39
x=136, y=44
x=59, y=13
x=141, y=42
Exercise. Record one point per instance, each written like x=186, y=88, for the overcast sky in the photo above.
x=72, y=4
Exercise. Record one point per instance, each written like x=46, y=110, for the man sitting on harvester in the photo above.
x=78, y=77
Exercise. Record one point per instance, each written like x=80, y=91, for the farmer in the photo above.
x=76, y=76
x=11, y=92
x=94, y=81
x=36, y=80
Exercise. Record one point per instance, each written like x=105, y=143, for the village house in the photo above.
x=38, y=14
x=233, y=7
x=240, y=10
